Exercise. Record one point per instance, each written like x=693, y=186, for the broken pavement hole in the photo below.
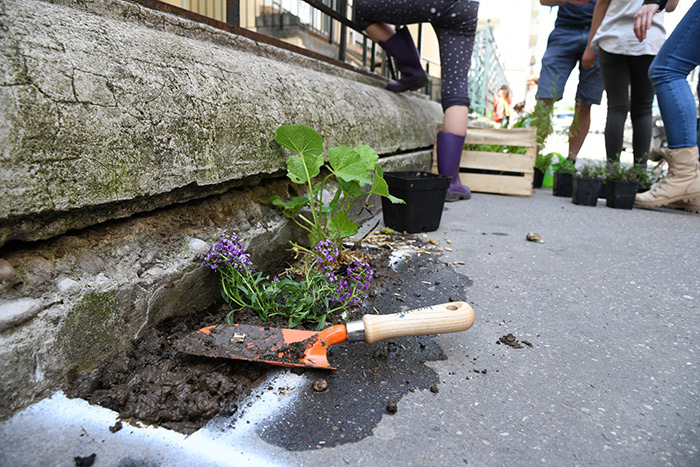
x=155, y=384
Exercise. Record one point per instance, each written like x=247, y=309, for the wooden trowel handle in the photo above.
x=447, y=317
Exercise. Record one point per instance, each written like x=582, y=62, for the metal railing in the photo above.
x=324, y=29
x=486, y=75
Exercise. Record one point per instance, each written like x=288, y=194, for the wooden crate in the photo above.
x=501, y=173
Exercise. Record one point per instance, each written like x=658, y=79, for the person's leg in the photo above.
x=380, y=32
x=668, y=72
x=615, y=71
x=542, y=120
x=588, y=92
x=642, y=98
x=373, y=16
x=579, y=128
x=456, y=119
x=450, y=144
x=455, y=31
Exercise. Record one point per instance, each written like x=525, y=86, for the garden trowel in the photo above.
x=291, y=347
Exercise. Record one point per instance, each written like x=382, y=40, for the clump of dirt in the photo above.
x=86, y=461
x=156, y=384
x=511, y=341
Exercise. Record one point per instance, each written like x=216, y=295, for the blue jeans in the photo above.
x=565, y=48
x=668, y=72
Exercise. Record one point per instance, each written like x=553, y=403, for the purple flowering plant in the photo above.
x=355, y=171
x=320, y=292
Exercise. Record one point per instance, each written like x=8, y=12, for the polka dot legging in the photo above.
x=455, y=26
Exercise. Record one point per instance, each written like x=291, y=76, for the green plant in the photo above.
x=543, y=161
x=354, y=169
x=500, y=148
x=320, y=292
x=646, y=176
x=619, y=172
x=592, y=170
x=564, y=165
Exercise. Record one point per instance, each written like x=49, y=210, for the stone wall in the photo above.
x=129, y=139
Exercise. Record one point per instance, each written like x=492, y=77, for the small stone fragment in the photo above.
x=534, y=237
x=86, y=461
x=68, y=285
x=197, y=246
x=434, y=389
x=7, y=272
x=391, y=407
x=117, y=426
x=320, y=385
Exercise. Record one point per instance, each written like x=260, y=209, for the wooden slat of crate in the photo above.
x=498, y=184
x=497, y=161
x=522, y=164
x=507, y=137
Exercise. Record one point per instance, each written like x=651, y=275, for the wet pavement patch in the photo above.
x=371, y=379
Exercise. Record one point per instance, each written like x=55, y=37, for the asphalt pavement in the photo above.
x=609, y=303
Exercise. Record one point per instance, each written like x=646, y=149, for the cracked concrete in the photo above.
x=129, y=140
x=107, y=103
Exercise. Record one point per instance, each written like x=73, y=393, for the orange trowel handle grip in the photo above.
x=447, y=317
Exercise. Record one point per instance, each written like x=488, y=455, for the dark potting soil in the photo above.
x=154, y=383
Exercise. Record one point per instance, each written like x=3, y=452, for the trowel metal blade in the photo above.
x=283, y=347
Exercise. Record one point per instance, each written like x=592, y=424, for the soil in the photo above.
x=154, y=383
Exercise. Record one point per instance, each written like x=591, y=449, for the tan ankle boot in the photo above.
x=690, y=206
x=681, y=184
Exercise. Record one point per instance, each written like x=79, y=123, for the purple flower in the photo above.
x=326, y=253
x=352, y=288
x=228, y=251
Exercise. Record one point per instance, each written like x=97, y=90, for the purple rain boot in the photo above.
x=401, y=47
x=449, y=154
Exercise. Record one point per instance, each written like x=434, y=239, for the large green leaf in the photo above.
x=348, y=165
x=308, y=144
x=342, y=227
x=351, y=189
x=301, y=139
x=291, y=207
x=301, y=169
x=368, y=155
x=380, y=187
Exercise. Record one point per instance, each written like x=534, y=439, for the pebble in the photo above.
x=434, y=389
x=18, y=311
x=320, y=385
x=7, y=272
x=391, y=407
x=102, y=281
x=38, y=271
x=198, y=246
x=91, y=263
x=67, y=285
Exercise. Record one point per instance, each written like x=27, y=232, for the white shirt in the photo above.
x=616, y=36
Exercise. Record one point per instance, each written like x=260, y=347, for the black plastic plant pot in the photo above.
x=585, y=191
x=538, y=178
x=603, y=191
x=620, y=195
x=562, y=184
x=424, y=194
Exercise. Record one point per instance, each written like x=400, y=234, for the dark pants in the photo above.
x=629, y=91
